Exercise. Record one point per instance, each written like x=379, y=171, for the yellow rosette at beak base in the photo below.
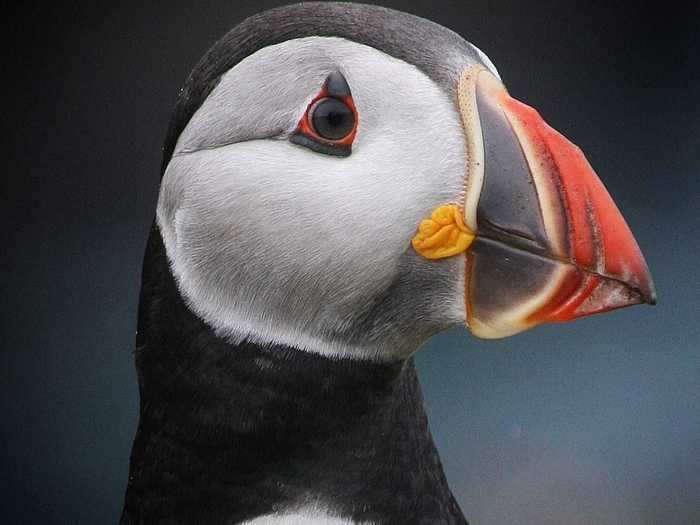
x=444, y=234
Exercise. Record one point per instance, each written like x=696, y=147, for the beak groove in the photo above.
x=550, y=243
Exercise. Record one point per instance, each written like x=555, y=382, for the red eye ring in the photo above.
x=338, y=110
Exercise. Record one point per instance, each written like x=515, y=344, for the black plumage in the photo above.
x=227, y=433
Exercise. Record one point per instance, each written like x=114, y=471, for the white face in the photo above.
x=276, y=243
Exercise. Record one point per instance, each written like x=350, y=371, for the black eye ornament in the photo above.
x=329, y=124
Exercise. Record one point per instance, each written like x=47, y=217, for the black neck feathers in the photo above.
x=228, y=433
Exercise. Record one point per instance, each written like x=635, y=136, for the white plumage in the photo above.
x=245, y=213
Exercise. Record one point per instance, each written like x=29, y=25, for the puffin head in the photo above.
x=349, y=180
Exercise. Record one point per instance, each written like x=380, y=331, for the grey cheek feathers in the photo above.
x=435, y=50
x=260, y=97
x=271, y=242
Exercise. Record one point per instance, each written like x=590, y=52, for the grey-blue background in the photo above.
x=592, y=422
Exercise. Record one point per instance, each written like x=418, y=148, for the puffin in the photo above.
x=339, y=183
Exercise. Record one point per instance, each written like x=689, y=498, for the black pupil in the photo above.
x=332, y=119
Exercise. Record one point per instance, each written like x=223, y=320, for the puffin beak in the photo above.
x=546, y=242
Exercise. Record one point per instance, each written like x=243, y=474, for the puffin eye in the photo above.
x=331, y=119
x=329, y=124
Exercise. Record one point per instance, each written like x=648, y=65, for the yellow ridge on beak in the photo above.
x=444, y=234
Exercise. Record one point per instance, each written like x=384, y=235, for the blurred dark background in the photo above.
x=592, y=422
